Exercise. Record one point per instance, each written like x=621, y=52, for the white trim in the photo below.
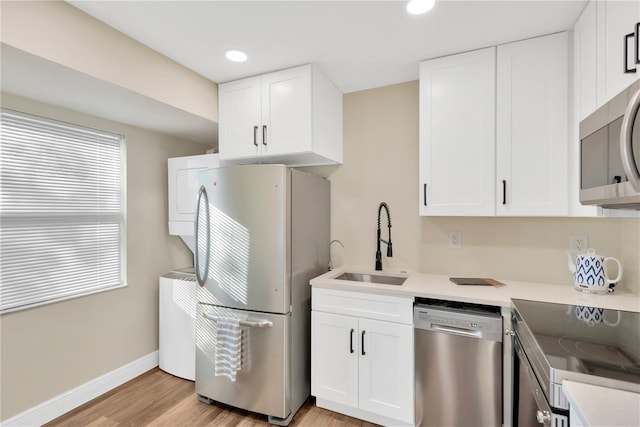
x=65, y=402
x=360, y=413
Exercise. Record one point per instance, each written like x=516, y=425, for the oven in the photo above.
x=532, y=407
x=555, y=342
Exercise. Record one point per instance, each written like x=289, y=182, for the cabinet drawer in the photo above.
x=360, y=304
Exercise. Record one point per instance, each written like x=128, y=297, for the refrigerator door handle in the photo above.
x=202, y=194
x=249, y=323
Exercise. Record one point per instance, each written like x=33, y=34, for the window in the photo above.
x=62, y=211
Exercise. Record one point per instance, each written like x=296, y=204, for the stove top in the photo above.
x=585, y=344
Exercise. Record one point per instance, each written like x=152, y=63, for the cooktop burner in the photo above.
x=588, y=344
x=595, y=351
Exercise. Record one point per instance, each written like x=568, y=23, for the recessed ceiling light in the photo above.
x=418, y=7
x=236, y=55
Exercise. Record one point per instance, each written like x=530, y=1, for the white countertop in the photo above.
x=593, y=405
x=618, y=408
x=440, y=287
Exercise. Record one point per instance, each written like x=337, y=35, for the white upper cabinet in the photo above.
x=286, y=111
x=240, y=118
x=600, y=52
x=532, y=127
x=457, y=134
x=494, y=130
x=585, y=62
x=585, y=99
x=292, y=116
x=616, y=19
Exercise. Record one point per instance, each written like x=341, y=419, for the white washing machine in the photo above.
x=177, y=323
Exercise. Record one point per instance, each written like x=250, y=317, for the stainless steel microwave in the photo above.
x=610, y=153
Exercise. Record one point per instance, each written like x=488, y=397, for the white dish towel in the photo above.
x=228, y=358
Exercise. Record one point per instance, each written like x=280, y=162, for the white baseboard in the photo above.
x=65, y=402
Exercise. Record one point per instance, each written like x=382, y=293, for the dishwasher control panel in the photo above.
x=443, y=320
x=471, y=322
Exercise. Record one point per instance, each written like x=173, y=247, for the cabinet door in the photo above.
x=457, y=134
x=618, y=18
x=387, y=369
x=585, y=62
x=286, y=111
x=334, y=357
x=240, y=119
x=532, y=127
x=585, y=100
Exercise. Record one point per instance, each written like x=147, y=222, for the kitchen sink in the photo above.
x=372, y=278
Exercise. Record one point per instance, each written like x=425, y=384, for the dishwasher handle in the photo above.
x=456, y=331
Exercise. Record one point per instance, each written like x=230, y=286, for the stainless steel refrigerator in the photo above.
x=262, y=232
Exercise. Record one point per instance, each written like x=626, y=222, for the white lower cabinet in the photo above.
x=362, y=364
x=334, y=366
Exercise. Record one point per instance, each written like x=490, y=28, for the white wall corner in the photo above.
x=65, y=402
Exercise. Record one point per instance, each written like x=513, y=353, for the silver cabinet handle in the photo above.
x=255, y=136
x=631, y=115
x=264, y=135
x=250, y=323
x=202, y=194
x=543, y=416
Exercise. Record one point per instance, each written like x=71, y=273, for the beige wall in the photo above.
x=62, y=34
x=48, y=350
x=381, y=164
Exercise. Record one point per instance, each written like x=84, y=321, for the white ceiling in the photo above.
x=358, y=44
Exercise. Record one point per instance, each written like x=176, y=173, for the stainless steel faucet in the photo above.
x=379, y=239
x=332, y=242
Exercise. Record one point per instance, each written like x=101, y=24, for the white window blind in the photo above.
x=62, y=211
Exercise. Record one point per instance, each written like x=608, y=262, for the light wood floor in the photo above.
x=159, y=399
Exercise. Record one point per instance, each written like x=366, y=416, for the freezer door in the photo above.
x=262, y=383
x=243, y=238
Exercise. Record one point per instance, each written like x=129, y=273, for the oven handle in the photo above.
x=631, y=119
x=543, y=414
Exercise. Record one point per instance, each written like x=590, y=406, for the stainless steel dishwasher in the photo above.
x=458, y=363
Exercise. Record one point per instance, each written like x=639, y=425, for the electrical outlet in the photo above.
x=578, y=243
x=455, y=240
